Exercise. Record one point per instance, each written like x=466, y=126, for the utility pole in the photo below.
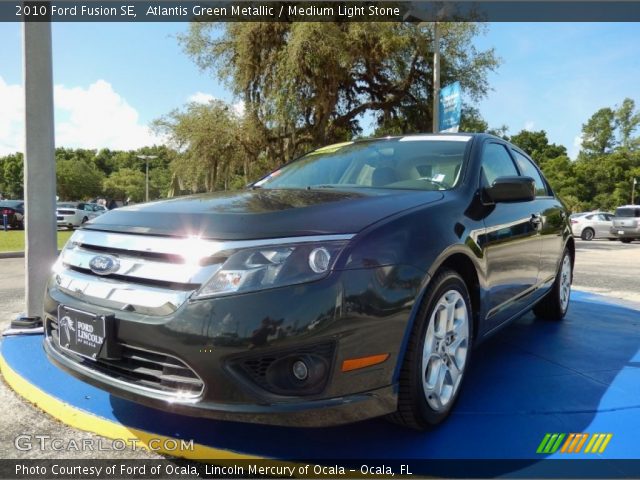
x=436, y=78
x=146, y=180
x=40, y=169
x=633, y=191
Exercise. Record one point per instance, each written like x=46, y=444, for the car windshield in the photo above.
x=10, y=203
x=426, y=162
x=627, y=212
x=67, y=205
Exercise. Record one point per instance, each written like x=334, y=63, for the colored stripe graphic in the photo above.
x=550, y=443
x=574, y=442
x=606, y=442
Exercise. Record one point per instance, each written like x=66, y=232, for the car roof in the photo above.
x=441, y=134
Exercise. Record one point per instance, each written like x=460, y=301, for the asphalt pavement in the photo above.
x=602, y=267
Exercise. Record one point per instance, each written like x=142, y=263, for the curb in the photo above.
x=11, y=254
x=76, y=417
x=17, y=254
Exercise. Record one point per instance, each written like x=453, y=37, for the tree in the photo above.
x=627, y=121
x=78, y=179
x=471, y=120
x=598, y=136
x=124, y=184
x=12, y=176
x=537, y=145
x=208, y=136
x=306, y=84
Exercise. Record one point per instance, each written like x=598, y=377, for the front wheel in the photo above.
x=555, y=303
x=625, y=240
x=437, y=354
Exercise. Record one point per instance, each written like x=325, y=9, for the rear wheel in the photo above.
x=625, y=240
x=555, y=303
x=587, y=234
x=437, y=354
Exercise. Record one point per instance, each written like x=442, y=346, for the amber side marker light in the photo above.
x=362, y=362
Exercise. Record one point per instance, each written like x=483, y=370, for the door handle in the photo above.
x=536, y=220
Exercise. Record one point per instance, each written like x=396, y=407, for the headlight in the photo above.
x=254, y=269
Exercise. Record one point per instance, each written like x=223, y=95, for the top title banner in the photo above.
x=320, y=11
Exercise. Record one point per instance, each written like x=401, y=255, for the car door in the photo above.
x=90, y=211
x=603, y=224
x=551, y=214
x=512, y=242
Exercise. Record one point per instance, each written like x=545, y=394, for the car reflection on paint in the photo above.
x=351, y=283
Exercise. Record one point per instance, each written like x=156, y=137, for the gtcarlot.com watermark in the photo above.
x=26, y=442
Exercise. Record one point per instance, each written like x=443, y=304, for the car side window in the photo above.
x=496, y=162
x=529, y=170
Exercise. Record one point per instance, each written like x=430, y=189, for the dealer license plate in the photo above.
x=81, y=332
x=620, y=232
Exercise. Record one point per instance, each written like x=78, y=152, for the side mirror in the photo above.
x=511, y=189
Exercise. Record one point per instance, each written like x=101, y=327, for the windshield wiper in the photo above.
x=326, y=185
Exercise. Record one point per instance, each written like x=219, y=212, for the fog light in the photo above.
x=319, y=259
x=300, y=370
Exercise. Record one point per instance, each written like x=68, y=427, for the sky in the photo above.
x=112, y=79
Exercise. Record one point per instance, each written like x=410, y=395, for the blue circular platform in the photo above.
x=581, y=375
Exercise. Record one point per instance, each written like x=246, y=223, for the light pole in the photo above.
x=39, y=168
x=633, y=191
x=146, y=180
x=436, y=78
x=436, y=66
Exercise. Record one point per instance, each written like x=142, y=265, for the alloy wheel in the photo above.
x=565, y=283
x=445, y=350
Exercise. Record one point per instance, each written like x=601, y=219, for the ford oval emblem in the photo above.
x=104, y=264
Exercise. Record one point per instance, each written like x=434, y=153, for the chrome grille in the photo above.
x=156, y=274
x=142, y=368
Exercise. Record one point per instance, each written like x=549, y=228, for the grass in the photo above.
x=13, y=240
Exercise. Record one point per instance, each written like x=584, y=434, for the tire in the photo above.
x=555, y=303
x=625, y=240
x=84, y=220
x=427, y=393
x=587, y=234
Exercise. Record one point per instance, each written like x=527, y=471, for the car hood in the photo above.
x=253, y=214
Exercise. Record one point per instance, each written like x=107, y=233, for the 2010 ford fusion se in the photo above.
x=351, y=283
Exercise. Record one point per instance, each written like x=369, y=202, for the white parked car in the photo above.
x=592, y=225
x=74, y=214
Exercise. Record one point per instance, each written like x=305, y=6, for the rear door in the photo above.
x=512, y=242
x=602, y=225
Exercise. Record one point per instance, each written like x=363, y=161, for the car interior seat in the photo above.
x=383, y=176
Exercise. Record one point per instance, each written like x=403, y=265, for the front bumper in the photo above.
x=360, y=312
x=311, y=413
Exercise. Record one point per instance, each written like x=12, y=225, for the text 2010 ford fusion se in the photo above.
x=351, y=283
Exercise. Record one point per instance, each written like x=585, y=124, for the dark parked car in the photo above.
x=351, y=283
x=14, y=210
x=626, y=223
